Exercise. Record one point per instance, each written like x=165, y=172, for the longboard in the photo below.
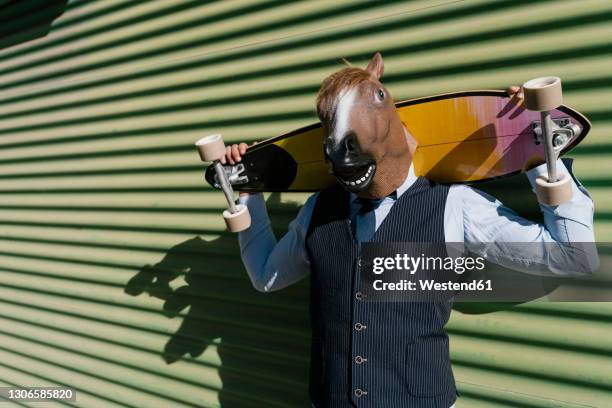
x=463, y=137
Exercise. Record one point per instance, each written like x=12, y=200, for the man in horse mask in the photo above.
x=383, y=354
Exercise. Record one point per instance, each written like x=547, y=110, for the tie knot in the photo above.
x=367, y=205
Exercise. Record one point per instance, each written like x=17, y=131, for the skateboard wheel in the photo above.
x=555, y=193
x=543, y=94
x=211, y=147
x=238, y=221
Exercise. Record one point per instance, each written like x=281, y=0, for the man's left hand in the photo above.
x=515, y=90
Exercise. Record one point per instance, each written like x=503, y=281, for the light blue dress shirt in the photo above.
x=483, y=224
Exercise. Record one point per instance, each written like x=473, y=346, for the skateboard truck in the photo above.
x=563, y=131
x=235, y=175
x=211, y=149
x=543, y=95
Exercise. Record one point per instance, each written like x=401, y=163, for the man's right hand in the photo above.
x=233, y=153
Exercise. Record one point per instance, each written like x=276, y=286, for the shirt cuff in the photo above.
x=564, y=166
x=255, y=203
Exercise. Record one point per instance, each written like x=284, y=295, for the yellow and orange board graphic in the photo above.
x=462, y=137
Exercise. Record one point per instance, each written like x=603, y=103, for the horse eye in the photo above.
x=381, y=94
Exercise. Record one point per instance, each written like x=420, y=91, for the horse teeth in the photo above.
x=352, y=183
x=358, y=181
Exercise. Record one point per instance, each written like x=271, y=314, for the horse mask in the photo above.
x=368, y=146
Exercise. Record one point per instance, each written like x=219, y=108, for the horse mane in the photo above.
x=333, y=85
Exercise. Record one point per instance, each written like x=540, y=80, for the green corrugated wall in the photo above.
x=116, y=275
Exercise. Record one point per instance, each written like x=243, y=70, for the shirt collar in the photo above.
x=409, y=181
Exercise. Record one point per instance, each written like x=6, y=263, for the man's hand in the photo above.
x=233, y=153
x=515, y=90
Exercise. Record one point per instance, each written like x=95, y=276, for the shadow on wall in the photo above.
x=205, y=282
x=25, y=20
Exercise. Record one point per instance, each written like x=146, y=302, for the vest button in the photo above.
x=359, y=392
x=359, y=296
x=360, y=360
x=359, y=326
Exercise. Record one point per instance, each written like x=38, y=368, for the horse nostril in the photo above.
x=350, y=143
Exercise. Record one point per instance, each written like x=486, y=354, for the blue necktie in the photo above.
x=367, y=205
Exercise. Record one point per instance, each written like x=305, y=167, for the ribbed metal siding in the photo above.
x=116, y=277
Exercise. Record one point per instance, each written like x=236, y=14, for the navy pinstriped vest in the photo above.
x=375, y=354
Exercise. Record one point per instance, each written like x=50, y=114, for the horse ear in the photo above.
x=376, y=66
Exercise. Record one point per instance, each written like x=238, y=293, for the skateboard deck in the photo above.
x=463, y=137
